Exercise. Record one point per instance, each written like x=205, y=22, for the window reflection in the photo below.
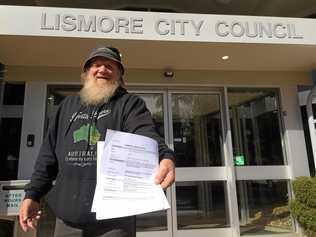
x=154, y=221
x=197, y=130
x=154, y=103
x=255, y=124
x=201, y=204
x=11, y=107
x=13, y=93
x=46, y=225
x=263, y=207
x=10, y=130
x=6, y=228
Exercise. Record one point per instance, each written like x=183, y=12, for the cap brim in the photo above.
x=102, y=55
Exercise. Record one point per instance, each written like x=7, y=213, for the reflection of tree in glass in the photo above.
x=154, y=103
x=191, y=129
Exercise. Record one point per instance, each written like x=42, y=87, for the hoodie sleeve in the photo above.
x=46, y=166
x=137, y=119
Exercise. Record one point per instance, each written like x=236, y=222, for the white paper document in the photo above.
x=126, y=166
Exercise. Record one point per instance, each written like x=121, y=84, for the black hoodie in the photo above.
x=68, y=152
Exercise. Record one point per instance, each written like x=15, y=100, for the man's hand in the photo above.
x=166, y=174
x=29, y=214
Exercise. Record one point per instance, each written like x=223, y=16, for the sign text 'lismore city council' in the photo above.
x=168, y=27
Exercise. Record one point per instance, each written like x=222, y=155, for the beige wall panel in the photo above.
x=156, y=77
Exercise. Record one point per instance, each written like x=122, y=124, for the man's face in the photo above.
x=104, y=71
x=100, y=81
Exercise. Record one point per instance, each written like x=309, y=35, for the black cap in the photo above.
x=105, y=52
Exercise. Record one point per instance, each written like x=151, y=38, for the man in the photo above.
x=68, y=153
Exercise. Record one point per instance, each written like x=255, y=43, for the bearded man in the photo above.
x=68, y=152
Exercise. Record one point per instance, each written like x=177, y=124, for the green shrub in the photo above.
x=303, y=208
x=305, y=190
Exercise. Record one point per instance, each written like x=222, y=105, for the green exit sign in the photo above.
x=239, y=160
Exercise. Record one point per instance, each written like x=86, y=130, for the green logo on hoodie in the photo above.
x=82, y=134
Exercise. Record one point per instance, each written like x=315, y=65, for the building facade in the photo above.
x=223, y=91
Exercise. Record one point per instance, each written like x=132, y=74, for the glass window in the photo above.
x=154, y=103
x=153, y=221
x=46, y=225
x=197, y=130
x=10, y=128
x=263, y=207
x=10, y=137
x=6, y=228
x=255, y=124
x=56, y=94
x=13, y=93
x=201, y=204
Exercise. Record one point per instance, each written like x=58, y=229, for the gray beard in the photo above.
x=93, y=94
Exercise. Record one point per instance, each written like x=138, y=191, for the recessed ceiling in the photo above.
x=70, y=52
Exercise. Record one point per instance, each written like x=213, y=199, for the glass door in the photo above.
x=262, y=178
x=200, y=200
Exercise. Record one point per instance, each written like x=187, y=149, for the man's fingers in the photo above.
x=166, y=174
x=161, y=175
x=29, y=214
x=32, y=223
x=33, y=219
x=37, y=215
x=23, y=224
x=23, y=220
x=168, y=180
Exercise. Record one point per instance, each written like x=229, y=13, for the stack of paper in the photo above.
x=126, y=165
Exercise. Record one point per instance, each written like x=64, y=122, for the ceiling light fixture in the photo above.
x=225, y=57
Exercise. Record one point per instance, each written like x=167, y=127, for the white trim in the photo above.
x=262, y=172
x=159, y=87
x=275, y=235
x=293, y=133
x=222, y=232
x=202, y=86
x=231, y=176
x=33, y=123
x=153, y=234
x=201, y=174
